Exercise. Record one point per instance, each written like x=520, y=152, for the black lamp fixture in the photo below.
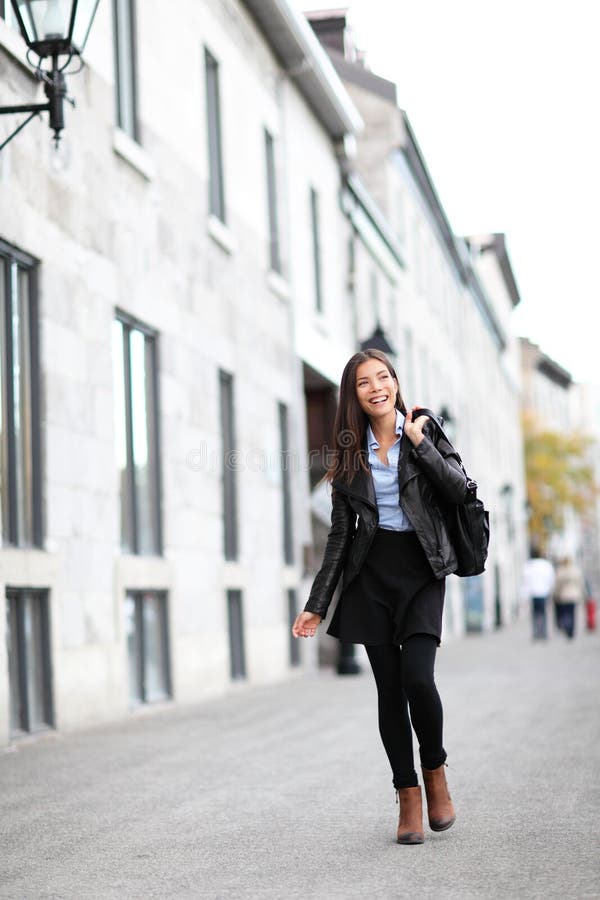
x=449, y=422
x=51, y=29
x=378, y=341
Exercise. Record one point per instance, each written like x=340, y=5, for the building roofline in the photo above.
x=306, y=62
x=356, y=73
x=496, y=243
x=455, y=246
x=365, y=201
x=548, y=366
x=418, y=167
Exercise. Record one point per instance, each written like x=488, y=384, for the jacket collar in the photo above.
x=362, y=486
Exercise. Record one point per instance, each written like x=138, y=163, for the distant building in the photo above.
x=546, y=387
x=557, y=403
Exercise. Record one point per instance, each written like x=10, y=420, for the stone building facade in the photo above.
x=181, y=285
x=168, y=274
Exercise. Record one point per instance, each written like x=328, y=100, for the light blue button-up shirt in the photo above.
x=385, y=479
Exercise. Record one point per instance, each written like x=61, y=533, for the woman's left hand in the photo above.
x=414, y=430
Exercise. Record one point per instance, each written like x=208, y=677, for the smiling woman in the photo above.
x=388, y=542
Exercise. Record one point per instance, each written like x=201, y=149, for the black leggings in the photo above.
x=404, y=678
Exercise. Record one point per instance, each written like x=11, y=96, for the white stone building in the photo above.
x=181, y=286
x=173, y=282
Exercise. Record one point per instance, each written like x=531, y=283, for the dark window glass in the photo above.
x=125, y=66
x=316, y=246
x=236, y=634
x=147, y=646
x=28, y=646
x=19, y=407
x=274, y=248
x=7, y=14
x=230, y=518
x=215, y=147
x=137, y=437
x=286, y=485
x=292, y=613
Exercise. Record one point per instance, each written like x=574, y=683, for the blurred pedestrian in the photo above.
x=538, y=583
x=569, y=590
x=389, y=540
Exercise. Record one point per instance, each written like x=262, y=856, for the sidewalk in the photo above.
x=284, y=791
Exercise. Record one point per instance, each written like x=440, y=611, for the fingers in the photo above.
x=306, y=625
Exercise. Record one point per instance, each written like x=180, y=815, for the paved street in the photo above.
x=284, y=791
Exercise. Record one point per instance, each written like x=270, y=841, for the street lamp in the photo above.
x=449, y=423
x=378, y=341
x=51, y=29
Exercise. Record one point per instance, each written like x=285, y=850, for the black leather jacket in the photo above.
x=427, y=475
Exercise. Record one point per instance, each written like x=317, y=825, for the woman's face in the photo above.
x=375, y=388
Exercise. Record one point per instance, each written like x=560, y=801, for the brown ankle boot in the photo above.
x=410, y=826
x=439, y=803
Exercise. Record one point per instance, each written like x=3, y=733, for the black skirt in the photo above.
x=394, y=595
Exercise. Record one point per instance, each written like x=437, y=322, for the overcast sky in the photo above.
x=504, y=99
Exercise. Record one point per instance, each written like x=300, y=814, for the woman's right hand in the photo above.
x=306, y=624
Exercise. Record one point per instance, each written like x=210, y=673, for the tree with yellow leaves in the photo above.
x=559, y=477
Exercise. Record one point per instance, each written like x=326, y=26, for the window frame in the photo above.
x=231, y=536
x=275, y=263
x=133, y=131
x=316, y=248
x=217, y=205
x=11, y=536
x=286, y=485
x=129, y=323
x=137, y=595
x=292, y=609
x=21, y=596
x=235, y=627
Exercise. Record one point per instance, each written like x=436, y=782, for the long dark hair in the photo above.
x=351, y=420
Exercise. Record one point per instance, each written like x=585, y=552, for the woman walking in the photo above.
x=569, y=591
x=388, y=541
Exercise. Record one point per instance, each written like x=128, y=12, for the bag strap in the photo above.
x=423, y=411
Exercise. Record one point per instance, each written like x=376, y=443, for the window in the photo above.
x=274, y=248
x=215, y=148
x=229, y=484
x=7, y=14
x=125, y=66
x=235, y=619
x=19, y=409
x=375, y=296
x=28, y=643
x=147, y=646
x=316, y=242
x=137, y=436
x=286, y=492
x=410, y=388
x=292, y=613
